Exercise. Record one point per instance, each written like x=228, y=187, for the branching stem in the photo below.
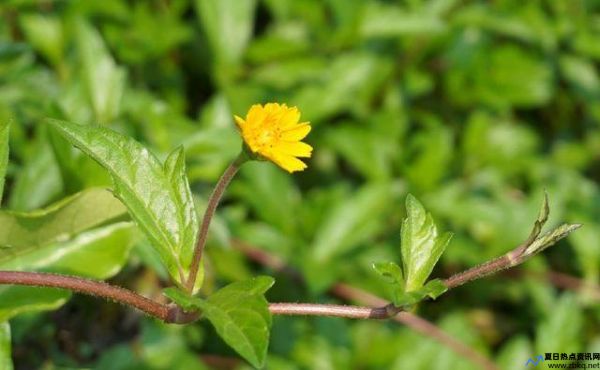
x=175, y=314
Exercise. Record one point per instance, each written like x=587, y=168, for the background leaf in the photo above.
x=99, y=254
x=39, y=182
x=228, y=27
x=61, y=221
x=104, y=80
x=3, y=155
x=342, y=229
x=5, y=347
x=558, y=332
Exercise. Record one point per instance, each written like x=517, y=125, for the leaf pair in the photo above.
x=421, y=248
x=536, y=243
x=240, y=314
x=157, y=195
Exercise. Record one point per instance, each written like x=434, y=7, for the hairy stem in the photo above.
x=213, y=202
x=333, y=310
x=511, y=259
x=170, y=314
x=478, y=272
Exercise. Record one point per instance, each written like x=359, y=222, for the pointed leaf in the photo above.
x=240, y=314
x=188, y=218
x=3, y=155
x=158, y=198
x=550, y=238
x=421, y=246
x=540, y=221
x=390, y=271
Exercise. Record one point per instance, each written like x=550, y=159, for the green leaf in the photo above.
x=3, y=154
x=240, y=314
x=19, y=299
x=23, y=231
x=540, y=221
x=381, y=20
x=536, y=243
x=5, y=347
x=157, y=197
x=99, y=253
x=550, y=238
x=421, y=246
x=188, y=218
x=390, y=271
x=104, y=80
x=521, y=77
x=257, y=189
x=46, y=35
x=342, y=228
x=433, y=289
x=561, y=331
x=228, y=26
x=588, y=254
x=182, y=298
x=38, y=182
x=351, y=221
x=515, y=352
x=581, y=72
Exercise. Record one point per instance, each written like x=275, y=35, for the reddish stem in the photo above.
x=213, y=202
x=167, y=313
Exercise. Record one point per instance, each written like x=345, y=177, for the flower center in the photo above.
x=268, y=134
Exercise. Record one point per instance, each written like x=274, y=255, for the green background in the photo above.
x=475, y=107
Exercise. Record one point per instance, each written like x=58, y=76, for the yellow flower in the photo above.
x=272, y=132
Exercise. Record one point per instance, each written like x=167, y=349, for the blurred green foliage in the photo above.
x=475, y=107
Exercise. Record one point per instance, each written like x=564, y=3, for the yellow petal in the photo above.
x=296, y=133
x=288, y=163
x=255, y=114
x=274, y=108
x=294, y=148
x=240, y=122
x=290, y=117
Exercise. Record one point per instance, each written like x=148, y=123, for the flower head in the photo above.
x=273, y=132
